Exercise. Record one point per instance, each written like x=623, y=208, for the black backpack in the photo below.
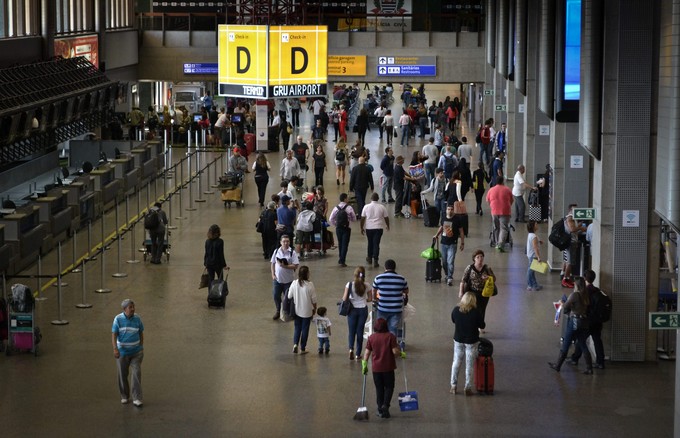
x=485, y=348
x=151, y=220
x=560, y=237
x=448, y=165
x=341, y=217
x=340, y=155
x=600, y=307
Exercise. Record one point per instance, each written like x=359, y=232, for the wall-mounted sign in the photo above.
x=576, y=162
x=346, y=65
x=201, y=68
x=392, y=15
x=276, y=61
x=242, y=61
x=630, y=218
x=407, y=66
x=86, y=46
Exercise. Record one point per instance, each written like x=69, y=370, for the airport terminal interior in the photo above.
x=232, y=371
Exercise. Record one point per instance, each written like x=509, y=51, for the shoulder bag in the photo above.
x=345, y=306
x=205, y=279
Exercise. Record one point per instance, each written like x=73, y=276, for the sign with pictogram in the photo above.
x=584, y=214
x=242, y=59
x=347, y=65
x=664, y=321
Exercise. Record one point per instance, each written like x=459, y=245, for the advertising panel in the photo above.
x=87, y=46
x=242, y=61
x=298, y=57
x=395, y=17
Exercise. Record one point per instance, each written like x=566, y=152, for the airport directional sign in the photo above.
x=664, y=320
x=584, y=214
x=407, y=66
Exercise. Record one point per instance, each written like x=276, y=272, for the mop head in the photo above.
x=362, y=414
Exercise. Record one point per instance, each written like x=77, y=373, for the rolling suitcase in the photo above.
x=430, y=216
x=433, y=270
x=217, y=293
x=484, y=374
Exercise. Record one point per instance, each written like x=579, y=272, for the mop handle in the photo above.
x=405, y=380
x=363, y=392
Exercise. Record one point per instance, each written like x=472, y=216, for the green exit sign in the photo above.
x=664, y=321
x=488, y=92
x=584, y=214
x=501, y=107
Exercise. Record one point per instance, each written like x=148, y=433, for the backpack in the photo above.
x=560, y=237
x=153, y=122
x=486, y=135
x=306, y=221
x=22, y=299
x=341, y=217
x=485, y=347
x=600, y=308
x=449, y=165
x=151, y=220
x=340, y=155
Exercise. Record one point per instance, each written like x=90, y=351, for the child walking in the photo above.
x=323, y=330
x=533, y=252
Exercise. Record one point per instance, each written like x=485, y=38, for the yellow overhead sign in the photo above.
x=297, y=61
x=347, y=65
x=242, y=57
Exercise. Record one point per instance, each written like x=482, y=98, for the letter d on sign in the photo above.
x=242, y=50
x=293, y=51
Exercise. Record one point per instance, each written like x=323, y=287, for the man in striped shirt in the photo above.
x=392, y=291
x=128, y=349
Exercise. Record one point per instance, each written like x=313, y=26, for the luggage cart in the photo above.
x=146, y=248
x=231, y=188
x=23, y=334
x=493, y=236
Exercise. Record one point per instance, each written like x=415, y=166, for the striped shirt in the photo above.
x=391, y=286
x=128, y=331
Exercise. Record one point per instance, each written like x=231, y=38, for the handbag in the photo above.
x=432, y=253
x=345, y=306
x=540, y=267
x=287, y=308
x=259, y=226
x=459, y=207
x=489, y=288
x=578, y=323
x=394, y=131
x=205, y=279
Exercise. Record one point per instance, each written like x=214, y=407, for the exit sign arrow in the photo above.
x=664, y=321
x=584, y=214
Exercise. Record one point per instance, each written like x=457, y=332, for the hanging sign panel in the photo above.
x=298, y=61
x=242, y=59
x=354, y=65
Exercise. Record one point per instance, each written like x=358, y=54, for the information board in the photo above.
x=201, y=68
x=243, y=61
x=341, y=65
x=407, y=66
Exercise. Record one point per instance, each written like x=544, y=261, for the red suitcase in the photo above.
x=249, y=138
x=484, y=375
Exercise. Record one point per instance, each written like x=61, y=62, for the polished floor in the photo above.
x=231, y=372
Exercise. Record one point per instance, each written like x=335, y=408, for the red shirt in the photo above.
x=381, y=345
x=500, y=199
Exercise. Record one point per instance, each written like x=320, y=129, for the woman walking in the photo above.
x=261, y=167
x=474, y=278
x=478, y=178
x=383, y=346
x=319, y=158
x=302, y=291
x=213, y=259
x=359, y=295
x=468, y=322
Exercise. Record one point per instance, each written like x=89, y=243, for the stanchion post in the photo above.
x=102, y=289
x=60, y=321
x=74, y=247
x=38, y=288
x=133, y=250
x=209, y=184
x=199, y=175
x=89, y=241
x=179, y=192
x=84, y=304
x=120, y=273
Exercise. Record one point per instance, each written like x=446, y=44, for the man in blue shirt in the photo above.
x=392, y=290
x=128, y=349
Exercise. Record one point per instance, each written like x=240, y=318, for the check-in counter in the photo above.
x=145, y=161
x=157, y=151
x=25, y=233
x=125, y=171
x=105, y=185
x=56, y=214
x=6, y=253
x=81, y=197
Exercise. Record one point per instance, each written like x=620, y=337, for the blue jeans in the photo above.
x=440, y=205
x=356, y=320
x=429, y=172
x=448, y=256
x=423, y=124
x=404, y=135
x=393, y=320
x=301, y=333
x=278, y=290
x=374, y=237
x=343, y=242
x=531, y=276
x=360, y=194
x=387, y=187
x=324, y=343
x=581, y=337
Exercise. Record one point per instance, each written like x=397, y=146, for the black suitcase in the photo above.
x=217, y=293
x=431, y=217
x=433, y=270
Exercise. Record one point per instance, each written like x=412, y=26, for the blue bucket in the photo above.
x=408, y=401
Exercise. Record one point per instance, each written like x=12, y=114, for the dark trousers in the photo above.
x=268, y=244
x=261, y=188
x=479, y=195
x=482, y=302
x=361, y=199
x=374, y=237
x=295, y=115
x=157, y=238
x=384, y=388
x=343, y=242
x=596, y=333
x=214, y=273
x=318, y=173
x=398, y=199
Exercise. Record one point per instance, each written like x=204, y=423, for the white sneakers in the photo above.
x=124, y=401
x=137, y=403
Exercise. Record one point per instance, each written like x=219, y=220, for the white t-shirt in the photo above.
x=432, y=153
x=357, y=301
x=530, y=245
x=518, y=184
x=375, y=214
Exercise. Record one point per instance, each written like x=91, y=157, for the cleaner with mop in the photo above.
x=383, y=346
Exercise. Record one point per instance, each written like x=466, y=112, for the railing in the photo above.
x=464, y=20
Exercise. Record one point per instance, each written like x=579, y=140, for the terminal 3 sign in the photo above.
x=272, y=61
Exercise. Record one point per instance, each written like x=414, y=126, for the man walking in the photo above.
x=284, y=262
x=399, y=180
x=392, y=292
x=431, y=154
x=127, y=337
x=155, y=223
x=360, y=180
x=387, y=166
x=500, y=199
x=450, y=231
x=340, y=218
x=518, y=188
x=374, y=219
